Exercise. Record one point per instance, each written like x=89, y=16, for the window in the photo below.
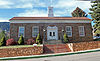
x=50, y=33
x=69, y=31
x=81, y=31
x=53, y=33
x=21, y=31
x=35, y=31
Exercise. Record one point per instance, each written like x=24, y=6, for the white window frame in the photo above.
x=19, y=31
x=33, y=30
x=81, y=31
x=69, y=31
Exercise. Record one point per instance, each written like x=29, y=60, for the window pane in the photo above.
x=21, y=31
x=35, y=31
x=69, y=33
x=53, y=33
x=50, y=34
x=35, y=34
x=68, y=28
x=81, y=31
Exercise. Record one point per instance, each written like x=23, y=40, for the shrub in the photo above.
x=38, y=39
x=66, y=38
x=3, y=41
x=30, y=41
x=11, y=42
x=21, y=40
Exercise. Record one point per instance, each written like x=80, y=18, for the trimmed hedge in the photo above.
x=21, y=40
x=38, y=39
x=3, y=41
x=66, y=38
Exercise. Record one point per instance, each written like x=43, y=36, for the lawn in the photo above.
x=16, y=46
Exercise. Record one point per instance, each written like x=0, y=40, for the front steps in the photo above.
x=56, y=48
x=53, y=42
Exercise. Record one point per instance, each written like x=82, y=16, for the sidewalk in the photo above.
x=50, y=55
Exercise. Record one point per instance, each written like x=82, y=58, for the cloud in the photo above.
x=66, y=7
x=21, y=3
x=33, y=13
x=4, y=20
x=71, y=4
x=5, y=4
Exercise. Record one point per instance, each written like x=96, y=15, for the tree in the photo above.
x=95, y=14
x=38, y=39
x=3, y=41
x=66, y=38
x=2, y=34
x=78, y=13
x=21, y=40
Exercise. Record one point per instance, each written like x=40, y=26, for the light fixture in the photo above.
x=44, y=30
x=62, y=30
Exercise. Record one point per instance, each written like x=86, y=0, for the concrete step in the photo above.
x=53, y=42
x=56, y=48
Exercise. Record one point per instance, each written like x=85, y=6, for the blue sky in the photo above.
x=38, y=8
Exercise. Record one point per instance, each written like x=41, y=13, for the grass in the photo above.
x=16, y=46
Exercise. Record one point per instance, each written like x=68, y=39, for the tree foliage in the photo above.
x=2, y=34
x=78, y=13
x=95, y=14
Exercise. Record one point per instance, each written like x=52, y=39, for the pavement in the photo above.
x=51, y=55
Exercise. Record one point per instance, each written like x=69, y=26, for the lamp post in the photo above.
x=44, y=35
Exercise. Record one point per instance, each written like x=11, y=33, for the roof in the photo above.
x=50, y=18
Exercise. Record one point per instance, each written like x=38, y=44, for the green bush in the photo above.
x=21, y=40
x=38, y=39
x=66, y=38
x=3, y=41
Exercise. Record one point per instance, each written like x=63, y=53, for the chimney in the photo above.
x=50, y=12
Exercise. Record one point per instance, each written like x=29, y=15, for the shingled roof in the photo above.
x=50, y=18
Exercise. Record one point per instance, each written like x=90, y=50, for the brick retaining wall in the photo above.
x=85, y=45
x=25, y=51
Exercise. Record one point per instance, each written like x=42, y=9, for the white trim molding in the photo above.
x=50, y=21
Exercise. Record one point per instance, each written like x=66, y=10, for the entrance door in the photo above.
x=52, y=33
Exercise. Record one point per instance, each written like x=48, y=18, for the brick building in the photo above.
x=51, y=28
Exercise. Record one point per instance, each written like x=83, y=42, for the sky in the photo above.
x=38, y=8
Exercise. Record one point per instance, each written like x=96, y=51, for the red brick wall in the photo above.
x=56, y=48
x=75, y=33
x=25, y=51
x=86, y=45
